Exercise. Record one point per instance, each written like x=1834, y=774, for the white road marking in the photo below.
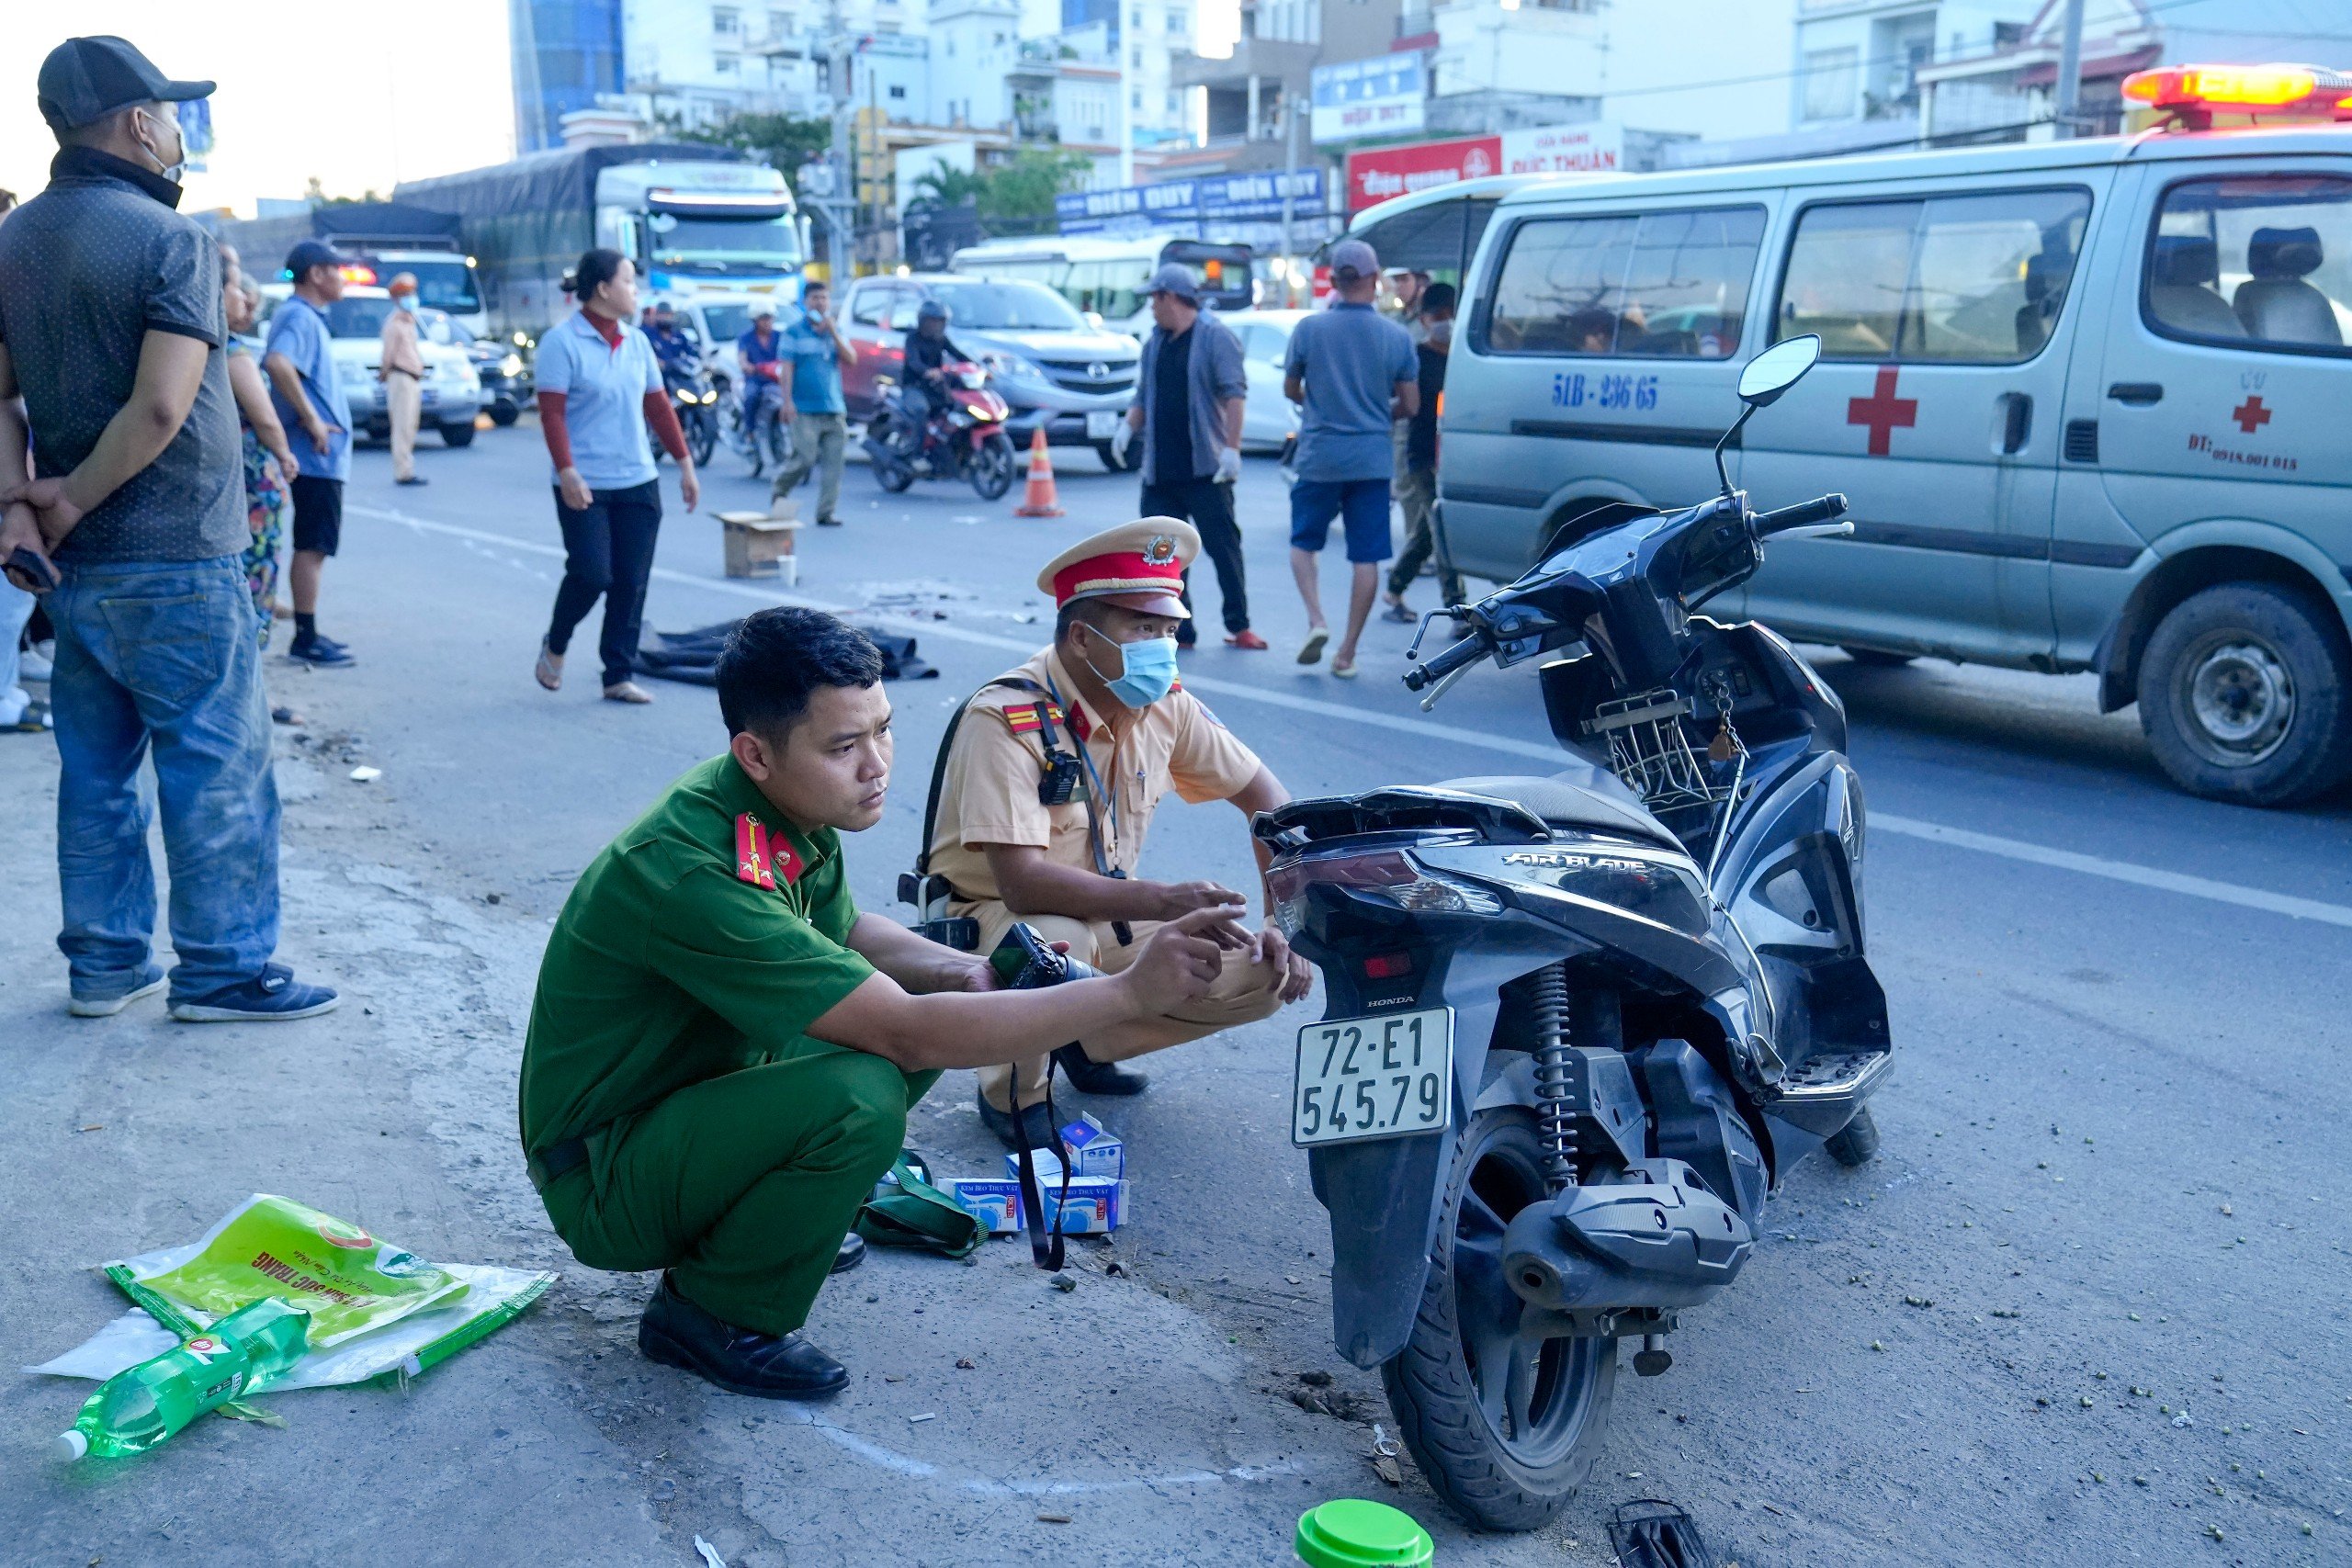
x=2125, y=872
x=2117, y=870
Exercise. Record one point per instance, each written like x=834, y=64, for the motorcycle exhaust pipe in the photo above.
x=1656, y=1241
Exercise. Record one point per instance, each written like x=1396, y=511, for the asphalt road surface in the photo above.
x=2087, y=1305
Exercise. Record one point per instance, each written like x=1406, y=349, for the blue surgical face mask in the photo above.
x=1150, y=670
x=407, y=302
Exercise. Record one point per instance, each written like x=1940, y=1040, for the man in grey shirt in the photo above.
x=111, y=331
x=1189, y=396
x=1354, y=375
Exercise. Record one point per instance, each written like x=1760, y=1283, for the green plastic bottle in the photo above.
x=138, y=1407
x=1350, y=1532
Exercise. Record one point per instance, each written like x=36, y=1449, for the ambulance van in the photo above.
x=2092, y=402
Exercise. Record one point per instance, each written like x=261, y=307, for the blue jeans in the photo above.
x=16, y=609
x=162, y=655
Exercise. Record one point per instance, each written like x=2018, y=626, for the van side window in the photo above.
x=2263, y=261
x=1659, y=285
x=1965, y=279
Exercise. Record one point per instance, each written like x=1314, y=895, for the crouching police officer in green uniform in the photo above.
x=723, y=1050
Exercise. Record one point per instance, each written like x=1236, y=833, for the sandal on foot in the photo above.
x=626, y=691
x=1400, y=612
x=1311, y=650
x=549, y=668
x=1344, y=672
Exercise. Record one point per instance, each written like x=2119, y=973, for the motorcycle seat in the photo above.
x=1580, y=795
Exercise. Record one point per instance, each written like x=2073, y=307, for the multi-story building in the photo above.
x=566, y=54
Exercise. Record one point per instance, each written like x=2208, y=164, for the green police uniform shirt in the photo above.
x=667, y=967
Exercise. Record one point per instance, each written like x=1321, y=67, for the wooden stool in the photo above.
x=759, y=544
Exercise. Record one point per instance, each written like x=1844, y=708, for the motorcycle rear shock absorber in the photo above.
x=1558, y=1074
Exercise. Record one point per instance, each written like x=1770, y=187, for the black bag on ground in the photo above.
x=694, y=656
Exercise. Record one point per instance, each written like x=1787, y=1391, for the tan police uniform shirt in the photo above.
x=989, y=795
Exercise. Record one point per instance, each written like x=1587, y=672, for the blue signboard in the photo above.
x=1212, y=199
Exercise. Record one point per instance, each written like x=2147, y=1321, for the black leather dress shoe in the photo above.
x=1089, y=1077
x=677, y=1333
x=852, y=1254
x=1035, y=1122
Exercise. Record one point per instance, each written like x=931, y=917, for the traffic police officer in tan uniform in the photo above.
x=1048, y=790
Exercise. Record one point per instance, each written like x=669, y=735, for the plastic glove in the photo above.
x=1123, y=438
x=1228, y=465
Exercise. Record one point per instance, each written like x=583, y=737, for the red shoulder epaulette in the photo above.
x=759, y=859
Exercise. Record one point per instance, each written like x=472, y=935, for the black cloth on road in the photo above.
x=1172, y=407
x=608, y=550
x=1207, y=506
x=694, y=656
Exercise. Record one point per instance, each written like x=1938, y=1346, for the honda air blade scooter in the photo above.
x=1579, y=1026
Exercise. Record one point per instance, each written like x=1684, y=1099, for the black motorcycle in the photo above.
x=1579, y=1026
x=695, y=398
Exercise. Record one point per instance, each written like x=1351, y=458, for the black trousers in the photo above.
x=1207, y=506
x=607, y=550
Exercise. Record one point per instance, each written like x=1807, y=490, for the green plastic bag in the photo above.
x=274, y=1246
x=908, y=1210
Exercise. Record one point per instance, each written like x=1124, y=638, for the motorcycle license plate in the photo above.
x=1373, y=1078
x=1101, y=425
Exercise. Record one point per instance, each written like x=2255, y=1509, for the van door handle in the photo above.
x=2016, y=423
x=2138, y=393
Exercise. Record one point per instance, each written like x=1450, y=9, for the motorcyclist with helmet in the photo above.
x=924, y=390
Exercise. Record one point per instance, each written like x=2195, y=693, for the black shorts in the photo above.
x=318, y=514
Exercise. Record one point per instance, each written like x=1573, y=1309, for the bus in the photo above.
x=1106, y=277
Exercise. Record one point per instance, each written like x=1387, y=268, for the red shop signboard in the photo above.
x=1376, y=176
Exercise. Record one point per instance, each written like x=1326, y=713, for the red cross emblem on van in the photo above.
x=1883, y=411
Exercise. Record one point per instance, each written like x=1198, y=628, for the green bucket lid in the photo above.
x=1352, y=1533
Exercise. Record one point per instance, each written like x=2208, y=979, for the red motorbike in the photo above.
x=963, y=439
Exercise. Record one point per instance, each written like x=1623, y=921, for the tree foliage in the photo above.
x=787, y=140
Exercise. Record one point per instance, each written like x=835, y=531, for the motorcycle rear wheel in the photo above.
x=992, y=467
x=1505, y=1427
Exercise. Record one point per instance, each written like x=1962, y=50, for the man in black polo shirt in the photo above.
x=1189, y=390
x=111, y=330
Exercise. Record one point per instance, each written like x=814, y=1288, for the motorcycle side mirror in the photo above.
x=1762, y=381
x=1777, y=369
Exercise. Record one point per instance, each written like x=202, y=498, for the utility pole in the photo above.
x=2069, y=90
x=1290, y=182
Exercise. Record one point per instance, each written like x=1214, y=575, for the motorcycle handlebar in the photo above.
x=1446, y=663
x=1804, y=514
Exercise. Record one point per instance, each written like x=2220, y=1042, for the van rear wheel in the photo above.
x=2245, y=696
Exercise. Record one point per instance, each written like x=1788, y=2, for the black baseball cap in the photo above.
x=309, y=254
x=86, y=79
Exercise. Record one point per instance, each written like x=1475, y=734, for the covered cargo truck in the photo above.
x=384, y=239
x=699, y=221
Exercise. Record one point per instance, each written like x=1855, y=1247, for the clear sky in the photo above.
x=359, y=95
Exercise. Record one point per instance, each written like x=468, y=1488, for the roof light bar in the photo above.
x=2242, y=89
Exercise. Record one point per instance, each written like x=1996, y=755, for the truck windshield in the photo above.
x=725, y=246
x=1007, y=307
x=443, y=285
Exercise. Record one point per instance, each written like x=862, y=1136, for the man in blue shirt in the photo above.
x=673, y=347
x=1354, y=375
x=820, y=416
x=759, y=352
x=309, y=395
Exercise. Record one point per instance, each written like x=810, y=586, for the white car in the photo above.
x=1268, y=419
x=452, y=387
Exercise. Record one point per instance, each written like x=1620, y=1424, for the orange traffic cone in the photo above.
x=1040, y=500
